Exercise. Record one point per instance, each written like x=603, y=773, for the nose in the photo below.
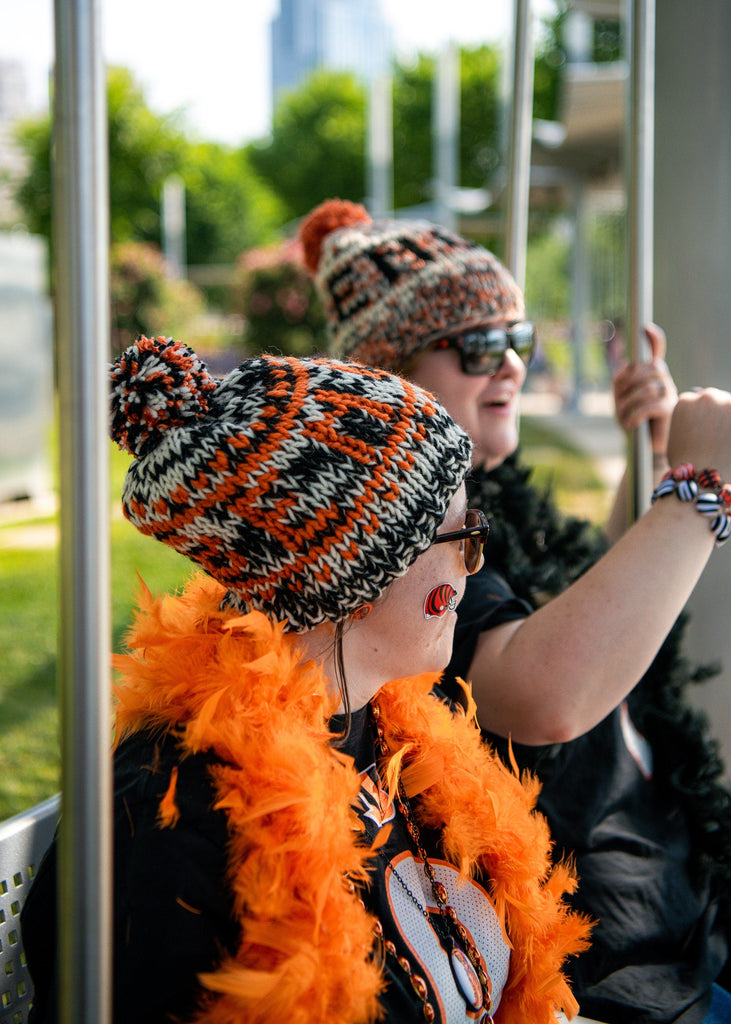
x=512, y=366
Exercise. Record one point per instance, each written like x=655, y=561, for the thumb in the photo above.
x=656, y=338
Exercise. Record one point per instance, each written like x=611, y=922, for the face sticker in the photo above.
x=439, y=601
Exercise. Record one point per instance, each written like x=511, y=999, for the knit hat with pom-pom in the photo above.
x=391, y=287
x=304, y=486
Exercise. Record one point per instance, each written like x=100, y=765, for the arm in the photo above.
x=552, y=676
x=643, y=393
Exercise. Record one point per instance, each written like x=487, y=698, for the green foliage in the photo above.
x=607, y=40
x=608, y=280
x=144, y=148
x=412, y=116
x=550, y=59
x=33, y=193
x=547, y=276
x=145, y=300
x=276, y=296
x=412, y=105
x=479, y=115
x=228, y=207
x=317, y=146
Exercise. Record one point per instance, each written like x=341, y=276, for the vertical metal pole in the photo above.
x=173, y=225
x=82, y=325
x=579, y=289
x=380, y=145
x=445, y=119
x=639, y=170
x=519, y=152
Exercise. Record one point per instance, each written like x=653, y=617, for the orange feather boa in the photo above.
x=234, y=685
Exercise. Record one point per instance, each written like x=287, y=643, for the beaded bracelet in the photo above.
x=711, y=495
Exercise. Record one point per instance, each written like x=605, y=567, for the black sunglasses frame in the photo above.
x=474, y=537
x=482, y=350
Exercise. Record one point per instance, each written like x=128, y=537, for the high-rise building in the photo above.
x=349, y=35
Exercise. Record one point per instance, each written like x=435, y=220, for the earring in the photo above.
x=361, y=613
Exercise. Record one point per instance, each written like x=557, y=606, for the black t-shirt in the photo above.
x=657, y=947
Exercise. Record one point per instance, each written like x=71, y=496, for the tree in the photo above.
x=228, y=208
x=317, y=146
x=143, y=149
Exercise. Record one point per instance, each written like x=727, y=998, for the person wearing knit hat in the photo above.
x=555, y=630
x=303, y=832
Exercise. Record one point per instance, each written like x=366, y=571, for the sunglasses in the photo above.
x=483, y=349
x=474, y=534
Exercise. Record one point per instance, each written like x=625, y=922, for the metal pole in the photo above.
x=82, y=328
x=639, y=169
x=445, y=119
x=519, y=152
x=173, y=225
x=380, y=145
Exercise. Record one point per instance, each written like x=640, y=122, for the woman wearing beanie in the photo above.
x=556, y=630
x=303, y=832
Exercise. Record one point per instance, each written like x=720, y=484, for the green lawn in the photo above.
x=29, y=758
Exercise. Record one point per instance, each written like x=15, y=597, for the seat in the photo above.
x=23, y=841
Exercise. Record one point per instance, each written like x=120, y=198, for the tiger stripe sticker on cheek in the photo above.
x=439, y=601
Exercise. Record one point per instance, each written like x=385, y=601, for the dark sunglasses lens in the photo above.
x=483, y=351
x=523, y=340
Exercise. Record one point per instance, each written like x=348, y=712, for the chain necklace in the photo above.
x=464, y=957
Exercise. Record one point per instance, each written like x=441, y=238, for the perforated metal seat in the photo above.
x=23, y=841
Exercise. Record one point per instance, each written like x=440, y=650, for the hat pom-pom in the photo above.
x=325, y=218
x=156, y=383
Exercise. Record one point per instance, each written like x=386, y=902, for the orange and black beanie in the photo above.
x=304, y=486
x=391, y=287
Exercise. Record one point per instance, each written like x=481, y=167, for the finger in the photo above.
x=657, y=341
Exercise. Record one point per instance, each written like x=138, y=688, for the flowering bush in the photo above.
x=276, y=296
x=145, y=299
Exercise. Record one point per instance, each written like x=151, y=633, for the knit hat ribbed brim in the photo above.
x=304, y=486
x=391, y=287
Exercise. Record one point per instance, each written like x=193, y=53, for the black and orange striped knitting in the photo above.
x=304, y=486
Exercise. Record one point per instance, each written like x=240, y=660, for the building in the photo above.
x=344, y=35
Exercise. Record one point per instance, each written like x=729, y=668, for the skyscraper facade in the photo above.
x=348, y=35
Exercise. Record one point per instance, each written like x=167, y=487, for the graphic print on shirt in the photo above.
x=375, y=804
x=475, y=911
x=470, y=900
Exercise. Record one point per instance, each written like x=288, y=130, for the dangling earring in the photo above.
x=361, y=613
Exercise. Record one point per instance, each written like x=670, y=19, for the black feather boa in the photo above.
x=541, y=552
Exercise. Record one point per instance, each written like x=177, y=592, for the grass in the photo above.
x=29, y=747
x=579, y=488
